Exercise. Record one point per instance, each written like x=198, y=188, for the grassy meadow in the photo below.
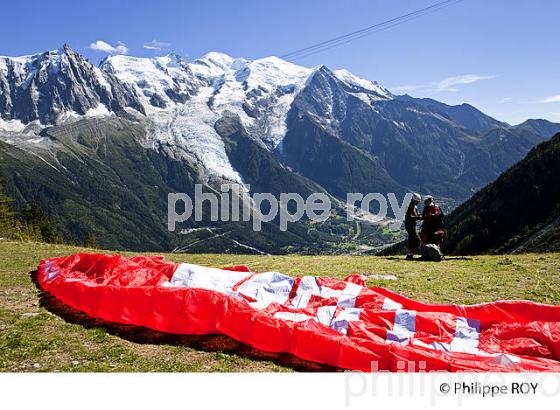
x=35, y=337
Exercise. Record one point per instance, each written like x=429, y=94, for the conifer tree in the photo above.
x=8, y=221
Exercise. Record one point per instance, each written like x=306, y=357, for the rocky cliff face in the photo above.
x=56, y=85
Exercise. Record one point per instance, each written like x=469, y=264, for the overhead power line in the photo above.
x=384, y=25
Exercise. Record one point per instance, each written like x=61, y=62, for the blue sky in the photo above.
x=501, y=56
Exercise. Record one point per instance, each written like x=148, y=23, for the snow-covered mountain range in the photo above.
x=179, y=101
x=269, y=123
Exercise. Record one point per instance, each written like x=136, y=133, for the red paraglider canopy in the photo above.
x=334, y=322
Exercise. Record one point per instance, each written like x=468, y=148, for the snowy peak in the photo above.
x=328, y=95
x=261, y=93
x=56, y=85
x=33, y=62
x=272, y=71
x=362, y=85
x=266, y=73
x=324, y=98
x=213, y=65
x=217, y=59
x=159, y=82
x=21, y=71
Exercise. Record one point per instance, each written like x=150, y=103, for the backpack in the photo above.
x=432, y=253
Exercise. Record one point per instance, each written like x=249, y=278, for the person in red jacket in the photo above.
x=432, y=226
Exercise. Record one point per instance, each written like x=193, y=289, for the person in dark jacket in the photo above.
x=410, y=218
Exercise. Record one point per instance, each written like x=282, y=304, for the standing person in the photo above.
x=432, y=226
x=412, y=215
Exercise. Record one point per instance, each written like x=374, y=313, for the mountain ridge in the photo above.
x=518, y=211
x=310, y=128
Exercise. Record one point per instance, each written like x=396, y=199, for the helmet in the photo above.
x=416, y=197
x=428, y=198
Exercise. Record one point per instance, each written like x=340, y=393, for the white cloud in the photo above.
x=156, y=45
x=551, y=99
x=100, y=45
x=408, y=88
x=447, y=84
x=505, y=100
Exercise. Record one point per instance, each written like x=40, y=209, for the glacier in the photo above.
x=178, y=101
